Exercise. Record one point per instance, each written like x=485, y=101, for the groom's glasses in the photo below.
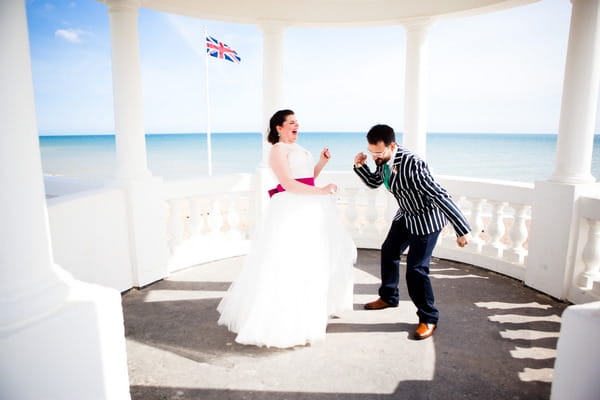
x=377, y=154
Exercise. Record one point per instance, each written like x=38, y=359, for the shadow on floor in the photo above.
x=496, y=340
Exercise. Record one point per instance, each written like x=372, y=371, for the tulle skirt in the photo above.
x=298, y=273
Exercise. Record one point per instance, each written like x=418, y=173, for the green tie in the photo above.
x=386, y=175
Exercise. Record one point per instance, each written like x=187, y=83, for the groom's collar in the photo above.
x=390, y=162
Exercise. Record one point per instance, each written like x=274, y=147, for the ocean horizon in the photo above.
x=505, y=156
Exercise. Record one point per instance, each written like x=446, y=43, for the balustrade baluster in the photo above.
x=176, y=223
x=476, y=222
x=370, y=230
x=233, y=219
x=215, y=218
x=496, y=230
x=518, y=235
x=244, y=208
x=196, y=218
x=591, y=256
x=352, y=210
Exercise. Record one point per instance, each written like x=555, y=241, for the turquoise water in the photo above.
x=517, y=157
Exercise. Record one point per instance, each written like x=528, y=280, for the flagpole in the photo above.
x=208, y=139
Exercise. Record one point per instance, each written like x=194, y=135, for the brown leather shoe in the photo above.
x=424, y=330
x=378, y=305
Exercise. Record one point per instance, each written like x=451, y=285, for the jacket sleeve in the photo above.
x=425, y=183
x=371, y=179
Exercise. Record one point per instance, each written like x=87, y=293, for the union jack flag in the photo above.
x=217, y=49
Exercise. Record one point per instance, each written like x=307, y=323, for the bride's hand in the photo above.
x=329, y=189
x=325, y=155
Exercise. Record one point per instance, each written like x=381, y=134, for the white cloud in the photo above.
x=71, y=35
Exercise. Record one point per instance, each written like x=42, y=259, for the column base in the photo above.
x=573, y=180
x=577, y=364
x=75, y=352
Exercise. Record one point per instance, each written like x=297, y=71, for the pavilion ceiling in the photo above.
x=323, y=13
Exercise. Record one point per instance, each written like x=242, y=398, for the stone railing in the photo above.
x=207, y=218
x=213, y=218
x=586, y=271
x=499, y=213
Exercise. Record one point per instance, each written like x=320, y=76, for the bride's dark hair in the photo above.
x=277, y=120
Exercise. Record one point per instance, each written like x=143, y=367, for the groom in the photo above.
x=425, y=208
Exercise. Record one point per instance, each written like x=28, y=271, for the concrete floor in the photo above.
x=496, y=340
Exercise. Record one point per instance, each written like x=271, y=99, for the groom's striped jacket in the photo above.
x=424, y=204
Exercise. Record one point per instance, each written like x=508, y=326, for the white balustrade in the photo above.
x=518, y=235
x=208, y=219
x=490, y=207
x=203, y=219
x=197, y=219
x=206, y=228
x=476, y=222
x=351, y=210
x=586, y=270
x=215, y=218
x=591, y=255
x=371, y=214
x=176, y=222
x=234, y=220
x=496, y=230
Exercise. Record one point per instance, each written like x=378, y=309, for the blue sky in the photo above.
x=499, y=72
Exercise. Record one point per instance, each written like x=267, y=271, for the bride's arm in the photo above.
x=323, y=159
x=279, y=165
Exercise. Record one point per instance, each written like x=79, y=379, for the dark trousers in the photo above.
x=417, y=269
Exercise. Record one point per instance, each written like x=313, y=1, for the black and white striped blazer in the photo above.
x=425, y=205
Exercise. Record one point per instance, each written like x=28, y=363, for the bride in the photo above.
x=299, y=270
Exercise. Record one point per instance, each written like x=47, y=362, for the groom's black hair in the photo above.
x=381, y=133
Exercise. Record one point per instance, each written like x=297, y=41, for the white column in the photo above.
x=415, y=87
x=272, y=75
x=29, y=285
x=145, y=204
x=127, y=89
x=59, y=338
x=272, y=101
x=580, y=96
x=555, y=224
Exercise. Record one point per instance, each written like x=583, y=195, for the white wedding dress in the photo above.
x=298, y=272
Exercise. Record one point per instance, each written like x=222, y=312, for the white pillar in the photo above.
x=415, y=87
x=145, y=203
x=555, y=223
x=127, y=89
x=272, y=75
x=29, y=285
x=272, y=101
x=59, y=338
x=580, y=96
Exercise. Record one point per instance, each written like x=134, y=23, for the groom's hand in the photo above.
x=462, y=241
x=360, y=160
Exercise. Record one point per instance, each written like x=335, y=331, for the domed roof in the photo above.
x=324, y=13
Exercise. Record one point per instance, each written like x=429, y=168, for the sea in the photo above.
x=513, y=157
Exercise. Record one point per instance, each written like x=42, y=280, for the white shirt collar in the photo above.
x=393, y=157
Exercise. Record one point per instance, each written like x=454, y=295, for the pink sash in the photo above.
x=279, y=188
